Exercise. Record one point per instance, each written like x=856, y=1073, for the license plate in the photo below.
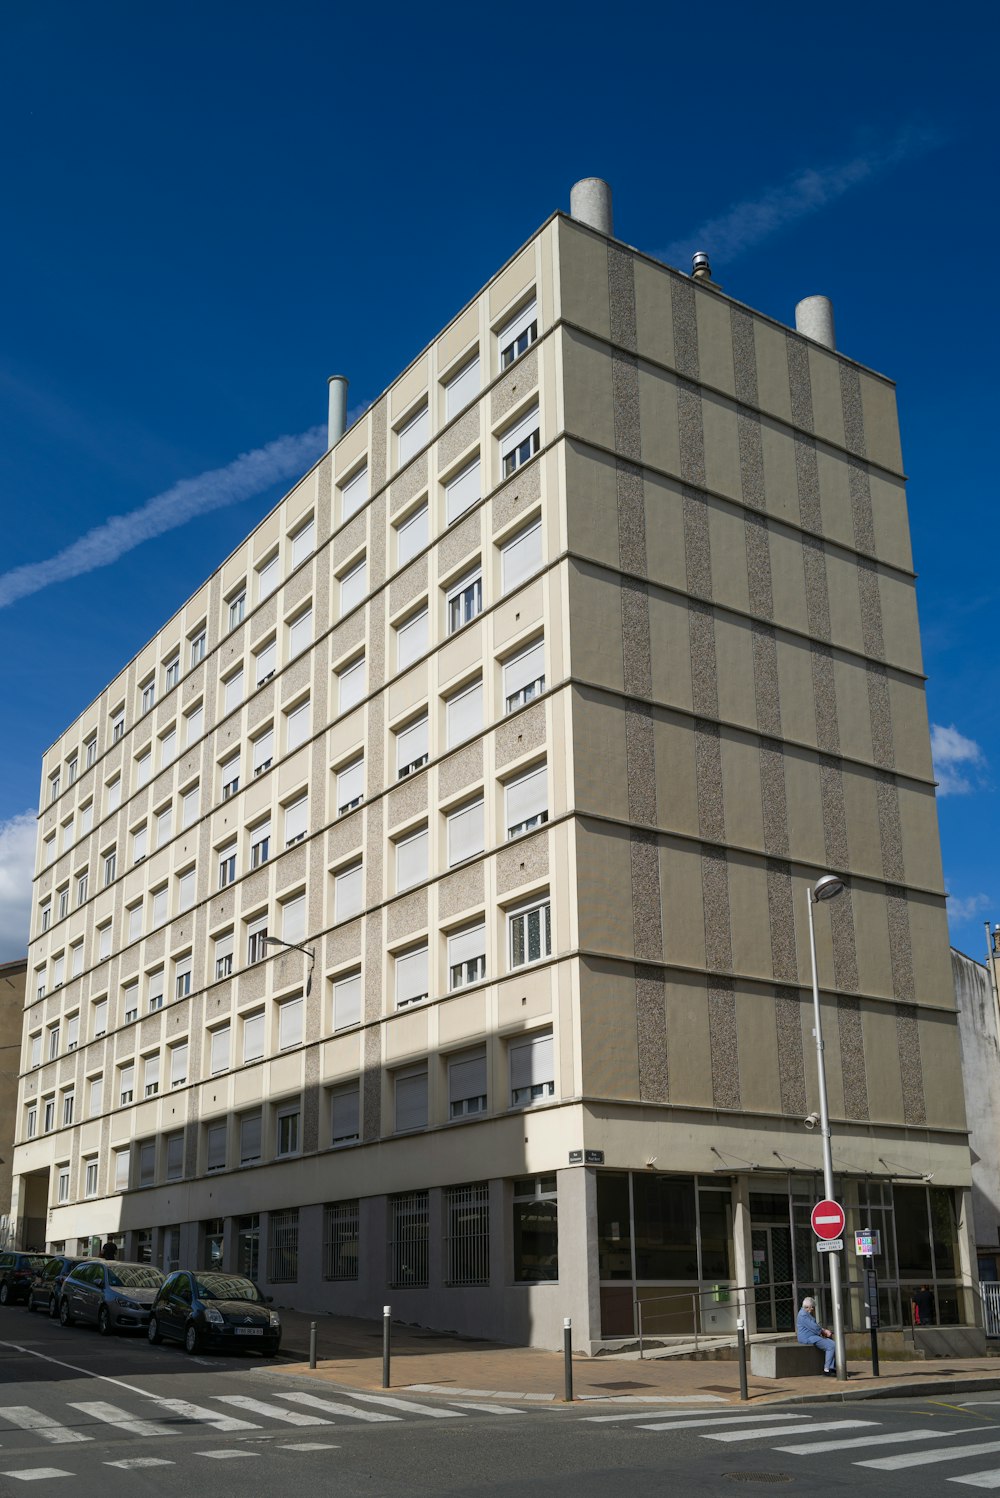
x=249, y=1331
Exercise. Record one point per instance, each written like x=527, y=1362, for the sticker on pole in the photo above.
x=828, y=1219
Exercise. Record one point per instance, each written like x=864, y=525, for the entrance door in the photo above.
x=774, y=1293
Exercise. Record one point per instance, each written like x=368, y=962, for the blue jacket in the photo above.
x=807, y=1328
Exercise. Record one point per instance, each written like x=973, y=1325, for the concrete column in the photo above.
x=311, y=1285
x=579, y=1292
x=337, y=414
x=743, y=1248
x=814, y=319
x=373, y=1234
x=968, y=1262
x=590, y=202
x=437, y=1227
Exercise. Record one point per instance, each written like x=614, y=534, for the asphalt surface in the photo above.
x=84, y=1415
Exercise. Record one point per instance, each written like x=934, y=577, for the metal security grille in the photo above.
x=340, y=1241
x=469, y=1234
x=408, y=1226
x=283, y=1247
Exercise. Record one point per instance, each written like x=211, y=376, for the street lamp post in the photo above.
x=826, y=888
x=293, y=946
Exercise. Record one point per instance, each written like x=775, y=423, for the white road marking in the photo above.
x=891, y=1438
x=409, y=1406
x=121, y=1419
x=208, y=1417
x=925, y=1458
x=332, y=1408
x=485, y=1409
x=714, y=1419
x=306, y=1446
x=790, y=1430
x=259, y=1407
x=980, y=1479
x=223, y=1455
x=26, y=1418
x=32, y=1474
x=140, y=1461
x=672, y=1415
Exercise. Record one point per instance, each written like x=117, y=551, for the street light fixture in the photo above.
x=293, y=946
x=828, y=887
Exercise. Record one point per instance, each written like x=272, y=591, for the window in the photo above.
x=114, y=793
x=118, y=726
x=100, y=1021
x=53, y=1042
x=233, y=690
x=296, y=821
x=223, y=955
x=68, y=1108
x=90, y=750
x=76, y=952
x=126, y=1083
x=410, y=1088
x=164, y=825
x=257, y=939
x=265, y=661
x=250, y=1139
x=287, y=1131
x=300, y=633
x=62, y=1184
x=348, y=893
x=130, y=999
x=463, y=491
x=527, y=802
x=253, y=1037
x=465, y=601
x=411, y=639
x=467, y=956
x=351, y=685
x=297, y=726
x=148, y=695
x=151, y=1075
x=412, y=536
x=345, y=1121
x=230, y=773
x=411, y=977
x=95, y=1096
x=530, y=934
x=54, y=782
x=521, y=556
x=293, y=919
x=139, y=842
x=190, y=806
x=64, y=902
x=461, y=388
x=413, y=435
x=237, y=608
x=354, y=493
x=122, y=1162
x=411, y=748
x=350, y=786
x=86, y=818
x=518, y=335
x=409, y=1227
x=66, y=836
x=160, y=904
x=182, y=977
x=260, y=843
x=48, y=1114
x=135, y=922
x=341, y=1229
x=465, y=833
x=110, y=866
x=346, y=1001
x=536, y=1230
x=467, y=1085
x=216, y=1141
x=520, y=443
x=40, y=982
x=465, y=714
x=175, y=1156
x=468, y=1234
x=283, y=1247
x=219, y=1049
x=186, y=886
x=154, y=990
x=198, y=645
x=172, y=673
x=353, y=587
x=31, y=1122
x=143, y=769
x=227, y=865
x=267, y=578
x=303, y=542
x=411, y=860
x=58, y=970
x=72, y=769
x=36, y=1050
x=193, y=725
x=178, y=1064
x=49, y=850
x=90, y=1178
x=168, y=748
x=289, y=1024
x=532, y=1070
x=47, y=913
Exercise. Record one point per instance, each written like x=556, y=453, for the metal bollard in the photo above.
x=568, y=1360
x=312, y=1344
x=741, y=1339
x=386, y=1333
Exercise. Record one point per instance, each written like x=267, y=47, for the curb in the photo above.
x=894, y=1391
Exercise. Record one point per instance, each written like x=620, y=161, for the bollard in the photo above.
x=741, y=1338
x=312, y=1344
x=568, y=1360
x=386, y=1331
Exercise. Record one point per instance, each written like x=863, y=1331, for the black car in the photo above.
x=206, y=1309
x=43, y=1292
x=16, y=1274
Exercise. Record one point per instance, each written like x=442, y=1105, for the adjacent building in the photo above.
x=420, y=917
x=12, y=989
x=979, y=1033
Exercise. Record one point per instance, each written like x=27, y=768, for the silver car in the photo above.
x=114, y=1297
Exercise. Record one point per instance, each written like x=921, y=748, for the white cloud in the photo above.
x=17, y=865
x=747, y=224
x=962, y=908
x=959, y=762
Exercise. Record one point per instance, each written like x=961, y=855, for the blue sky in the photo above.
x=209, y=208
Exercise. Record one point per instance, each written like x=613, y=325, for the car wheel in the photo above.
x=153, y=1331
x=53, y=1308
x=31, y=1303
x=192, y=1341
x=5, y=1294
x=104, y=1322
x=65, y=1319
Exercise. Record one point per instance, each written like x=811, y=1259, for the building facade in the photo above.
x=979, y=1034
x=525, y=722
x=13, y=976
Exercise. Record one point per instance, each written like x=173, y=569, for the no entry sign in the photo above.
x=828, y=1219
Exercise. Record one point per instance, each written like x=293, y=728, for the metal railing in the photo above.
x=688, y=1306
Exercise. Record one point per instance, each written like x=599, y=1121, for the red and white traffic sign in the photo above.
x=828, y=1219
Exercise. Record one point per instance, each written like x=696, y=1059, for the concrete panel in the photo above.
x=406, y=1035
x=599, y=772
x=604, y=872
x=919, y=830
x=835, y=496
x=670, y=650
x=899, y=621
x=760, y=1081
x=458, y=339
x=806, y=842
x=676, y=776
x=683, y=905
x=929, y=938
x=911, y=734
x=788, y=580
x=715, y=341
x=583, y=280
x=587, y=390
x=654, y=320
x=341, y=1057
x=741, y=790
x=661, y=441
x=828, y=409
x=597, y=648
x=591, y=504
x=664, y=504
x=878, y=403
x=861, y=805
x=734, y=655
x=727, y=540
x=722, y=449
x=882, y=1057
x=942, y=1070
x=772, y=370
x=463, y=1019
x=525, y=998
x=853, y=711
x=688, y=1042
x=608, y=1034
x=845, y=602
x=871, y=929
x=889, y=518
x=749, y=921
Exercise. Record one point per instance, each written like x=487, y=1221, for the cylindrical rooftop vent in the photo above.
x=814, y=319
x=590, y=202
x=701, y=269
x=337, y=419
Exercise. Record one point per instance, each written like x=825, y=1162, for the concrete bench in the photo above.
x=785, y=1359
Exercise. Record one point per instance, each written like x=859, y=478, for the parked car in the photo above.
x=115, y=1297
x=206, y=1309
x=46, y=1287
x=16, y=1274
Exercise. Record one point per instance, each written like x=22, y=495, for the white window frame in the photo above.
x=412, y=535
x=463, y=490
x=471, y=689
x=412, y=435
x=464, y=601
x=530, y=782
x=412, y=638
x=518, y=334
x=466, y=962
x=348, y=892
x=533, y=1057
x=521, y=683
x=348, y=803
x=237, y=603
x=408, y=850
x=353, y=586
x=462, y=387
x=354, y=492
x=265, y=662
x=404, y=963
x=348, y=679
x=303, y=542
x=521, y=442
x=522, y=914
x=347, y=1000
x=521, y=556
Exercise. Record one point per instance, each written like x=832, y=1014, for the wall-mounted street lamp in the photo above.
x=828, y=887
x=293, y=946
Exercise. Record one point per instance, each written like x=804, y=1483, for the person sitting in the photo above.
x=809, y=1331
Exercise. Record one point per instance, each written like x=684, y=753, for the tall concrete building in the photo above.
x=421, y=916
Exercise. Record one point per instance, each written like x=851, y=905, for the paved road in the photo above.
x=88, y=1416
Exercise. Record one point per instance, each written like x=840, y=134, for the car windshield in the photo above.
x=227, y=1287
x=34, y=1261
x=135, y=1277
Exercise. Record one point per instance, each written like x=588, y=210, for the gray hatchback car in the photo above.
x=112, y=1296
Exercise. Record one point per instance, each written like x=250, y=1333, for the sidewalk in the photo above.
x=349, y=1352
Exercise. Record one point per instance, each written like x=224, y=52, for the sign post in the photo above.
x=828, y=1218
x=866, y=1246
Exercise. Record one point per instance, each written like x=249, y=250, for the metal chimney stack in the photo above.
x=336, y=424
x=814, y=319
x=590, y=202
